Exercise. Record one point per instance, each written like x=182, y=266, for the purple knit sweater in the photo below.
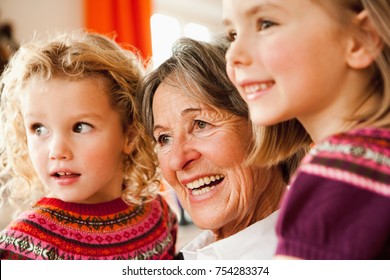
x=338, y=206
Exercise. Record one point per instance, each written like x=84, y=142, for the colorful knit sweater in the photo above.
x=338, y=206
x=54, y=230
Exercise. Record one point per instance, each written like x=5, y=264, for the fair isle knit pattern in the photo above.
x=360, y=158
x=58, y=230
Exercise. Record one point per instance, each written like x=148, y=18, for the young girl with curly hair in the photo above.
x=71, y=140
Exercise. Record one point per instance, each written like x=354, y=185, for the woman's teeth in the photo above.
x=202, y=190
x=200, y=186
x=203, y=181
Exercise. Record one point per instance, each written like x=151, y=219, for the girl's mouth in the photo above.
x=65, y=175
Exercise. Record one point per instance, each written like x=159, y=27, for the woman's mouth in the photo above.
x=204, y=185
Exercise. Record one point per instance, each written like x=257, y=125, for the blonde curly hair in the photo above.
x=73, y=55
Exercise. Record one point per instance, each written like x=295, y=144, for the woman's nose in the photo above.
x=183, y=154
x=60, y=149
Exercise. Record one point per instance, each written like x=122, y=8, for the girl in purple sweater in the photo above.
x=326, y=64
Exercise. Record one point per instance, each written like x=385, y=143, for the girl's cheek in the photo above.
x=232, y=77
x=231, y=74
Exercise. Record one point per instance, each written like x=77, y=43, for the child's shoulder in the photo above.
x=360, y=157
x=158, y=201
x=369, y=135
x=356, y=143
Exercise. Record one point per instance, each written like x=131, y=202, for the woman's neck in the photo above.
x=260, y=208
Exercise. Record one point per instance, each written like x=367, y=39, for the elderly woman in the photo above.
x=203, y=138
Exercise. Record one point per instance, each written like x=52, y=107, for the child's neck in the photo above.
x=339, y=118
x=326, y=127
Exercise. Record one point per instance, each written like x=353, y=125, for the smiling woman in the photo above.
x=203, y=137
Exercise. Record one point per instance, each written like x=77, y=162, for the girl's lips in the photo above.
x=61, y=174
x=65, y=177
x=253, y=90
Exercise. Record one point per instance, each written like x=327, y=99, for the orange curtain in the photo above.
x=128, y=20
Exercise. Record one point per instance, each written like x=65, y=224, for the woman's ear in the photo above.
x=365, y=45
x=130, y=140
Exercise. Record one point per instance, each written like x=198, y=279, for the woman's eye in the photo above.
x=163, y=139
x=82, y=128
x=201, y=124
x=39, y=129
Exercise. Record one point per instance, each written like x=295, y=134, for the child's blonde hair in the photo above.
x=378, y=83
x=71, y=56
x=379, y=80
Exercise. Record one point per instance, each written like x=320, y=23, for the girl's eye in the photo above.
x=39, y=129
x=82, y=127
x=231, y=36
x=163, y=139
x=201, y=124
x=264, y=24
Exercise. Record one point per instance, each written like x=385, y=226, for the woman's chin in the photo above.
x=204, y=220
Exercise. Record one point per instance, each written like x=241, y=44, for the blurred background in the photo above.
x=149, y=25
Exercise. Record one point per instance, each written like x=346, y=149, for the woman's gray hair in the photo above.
x=198, y=68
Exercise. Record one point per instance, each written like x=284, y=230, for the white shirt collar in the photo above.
x=257, y=241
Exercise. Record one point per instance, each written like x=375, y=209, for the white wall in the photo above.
x=29, y=16
x=205, y=12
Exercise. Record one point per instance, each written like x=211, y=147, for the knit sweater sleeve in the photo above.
x=338, y=206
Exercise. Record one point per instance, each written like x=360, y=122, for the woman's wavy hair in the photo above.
x=199, y=68
x=72, y=56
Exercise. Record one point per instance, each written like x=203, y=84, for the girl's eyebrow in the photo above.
x=89, y=116
x=76, y=116
x=254, y=10
x=251, y=11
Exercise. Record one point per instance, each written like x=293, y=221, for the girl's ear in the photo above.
x=130, y=138
x=366, y=46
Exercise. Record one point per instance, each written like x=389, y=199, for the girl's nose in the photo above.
x=59, y=149
x=238, y=53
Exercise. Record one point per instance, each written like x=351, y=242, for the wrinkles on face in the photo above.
x=198, y=143
x=246, y=200
x=194, y=121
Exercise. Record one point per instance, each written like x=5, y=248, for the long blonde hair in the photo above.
x=379, y=80
x=74, y=55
